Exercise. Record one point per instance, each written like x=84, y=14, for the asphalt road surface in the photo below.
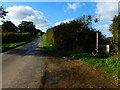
x=24, y=66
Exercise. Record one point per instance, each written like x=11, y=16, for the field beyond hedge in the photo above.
x=12, y=39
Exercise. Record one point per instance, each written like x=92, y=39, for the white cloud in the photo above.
x=106, y=11
x=73, y=6
x=65, y=21
x=25, y=13
x=103, y=27
x=105, y=30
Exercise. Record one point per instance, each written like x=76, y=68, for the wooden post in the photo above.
x=97, y=40
x=95, y=51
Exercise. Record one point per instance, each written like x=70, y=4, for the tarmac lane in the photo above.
x=24, y=66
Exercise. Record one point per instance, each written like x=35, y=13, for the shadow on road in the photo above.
x=36, y=51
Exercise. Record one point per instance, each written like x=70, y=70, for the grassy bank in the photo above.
x=11, y=40
x=110, y=65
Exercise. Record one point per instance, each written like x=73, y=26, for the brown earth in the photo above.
x=64, y=73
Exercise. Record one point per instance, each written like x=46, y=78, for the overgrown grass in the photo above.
x=11, y=40
x=110, y=65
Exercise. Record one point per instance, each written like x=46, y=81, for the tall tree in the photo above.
x=27, y=26
x=8, y=26
x=115, y=29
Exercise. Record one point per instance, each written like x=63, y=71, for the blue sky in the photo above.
x=48, y=14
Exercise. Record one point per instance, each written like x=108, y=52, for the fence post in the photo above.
x=97, y=40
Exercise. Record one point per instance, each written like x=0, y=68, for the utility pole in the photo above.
x=95, y=51
x=97, y=40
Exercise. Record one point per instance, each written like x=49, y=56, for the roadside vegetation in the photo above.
x=13, y=36
x=75, y=39
x=108, y=65
x=72, y=40
x=12, y=39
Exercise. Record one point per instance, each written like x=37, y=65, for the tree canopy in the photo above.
x=75, y=35
x=27, y=26
x=8, y=26
x=115, y=29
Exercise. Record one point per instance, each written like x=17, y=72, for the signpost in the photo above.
x=95, y=51
x=96, y=40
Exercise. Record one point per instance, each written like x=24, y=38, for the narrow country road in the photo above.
x=31, y=66
x=22, y=67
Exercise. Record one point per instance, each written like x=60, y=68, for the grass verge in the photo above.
x=12, y=40
x=110, y=65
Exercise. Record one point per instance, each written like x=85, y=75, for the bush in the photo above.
x=77, y=35
x=11, y=40
x=115, y=29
